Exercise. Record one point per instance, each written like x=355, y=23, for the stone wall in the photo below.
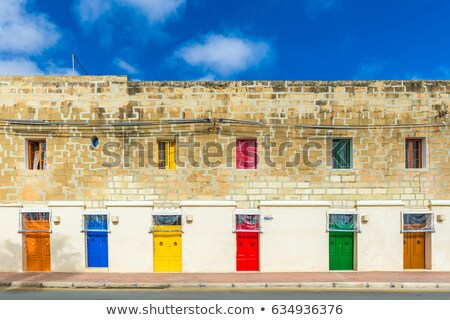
x=380, y=115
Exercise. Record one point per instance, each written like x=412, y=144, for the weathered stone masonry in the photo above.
x=380, y=115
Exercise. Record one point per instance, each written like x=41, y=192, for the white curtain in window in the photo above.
x=418, y=222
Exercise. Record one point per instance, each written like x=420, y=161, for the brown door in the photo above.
x=414, y=250
x=38, y=251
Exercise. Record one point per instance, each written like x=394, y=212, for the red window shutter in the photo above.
x=246, y=152
x=240, y=159
x=251, y=154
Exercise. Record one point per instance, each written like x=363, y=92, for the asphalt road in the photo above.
x=217, y=294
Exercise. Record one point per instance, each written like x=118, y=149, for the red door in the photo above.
x=247, y=257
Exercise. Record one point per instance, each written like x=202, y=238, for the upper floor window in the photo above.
x=37, y=154
x=246, y=154
x=414, y=153
x=342, y=153
x=167, y=155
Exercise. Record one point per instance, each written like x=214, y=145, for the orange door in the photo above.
x=414, y=250
x=37, y=243
x=38, y=252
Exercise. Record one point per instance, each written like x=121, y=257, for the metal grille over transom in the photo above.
x=247, y=228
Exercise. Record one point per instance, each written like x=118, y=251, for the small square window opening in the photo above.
x=246, y=154
x=36, y=154
x=166, y=155
x=414, y=154
x=342, y=154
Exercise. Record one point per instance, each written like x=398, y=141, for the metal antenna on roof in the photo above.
x=74, y=59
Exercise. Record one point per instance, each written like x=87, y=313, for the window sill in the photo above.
x=334, y=170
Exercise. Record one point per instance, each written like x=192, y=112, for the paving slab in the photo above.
x=308, y=280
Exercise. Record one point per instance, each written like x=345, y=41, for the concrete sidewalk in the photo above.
x=309, y=280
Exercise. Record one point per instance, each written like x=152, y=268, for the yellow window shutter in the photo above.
x=166, y=153
x=172, y=155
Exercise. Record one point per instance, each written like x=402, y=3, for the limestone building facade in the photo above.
x=105, y=173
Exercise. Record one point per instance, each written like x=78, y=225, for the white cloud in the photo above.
x=22, y=31
x=224, y=55
x=53, y=69
x=155, y=11
x=91, y=10
x=208, y=77
x=122, y=64
x=19, y=67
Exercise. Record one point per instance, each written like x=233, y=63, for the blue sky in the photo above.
x=228, y=40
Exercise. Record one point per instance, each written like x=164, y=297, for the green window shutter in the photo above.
x=341, y=154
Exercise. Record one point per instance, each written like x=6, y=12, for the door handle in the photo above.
x=418, y=242
x=404, y=242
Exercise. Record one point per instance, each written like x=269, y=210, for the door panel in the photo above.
x=45, y=238
x=97, y=249
x=38, y=251
x=167, y=249
x=247, y=253
x=34, y=252
x=414, y=250
x=341, y=250
x=407, y=250
x=333, y=248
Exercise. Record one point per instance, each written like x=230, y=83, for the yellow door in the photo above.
x=167, y=248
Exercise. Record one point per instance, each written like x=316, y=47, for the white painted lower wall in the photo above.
x=380, y=243
x=67, y=242
x=295, y=239
x=209, y=244
x=440, y=239
x=130, y=242
x=10, y=239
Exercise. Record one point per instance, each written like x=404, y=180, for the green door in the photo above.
x=341, y=250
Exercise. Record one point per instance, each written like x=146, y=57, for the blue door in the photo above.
x=97, y=241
